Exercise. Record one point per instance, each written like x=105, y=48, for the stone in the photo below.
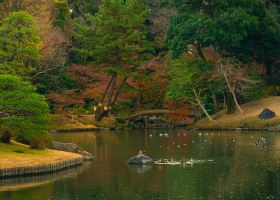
x=267, y=114
x=140, y=159
x=73, y=148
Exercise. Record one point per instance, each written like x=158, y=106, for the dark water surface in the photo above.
x=246, y=166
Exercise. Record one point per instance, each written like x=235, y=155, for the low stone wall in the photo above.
x=40, y=169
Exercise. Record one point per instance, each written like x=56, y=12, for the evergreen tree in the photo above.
x=23, y=112
x=116, y=43
x=19, y=44
x=244, y=29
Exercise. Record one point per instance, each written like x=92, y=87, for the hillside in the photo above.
x=249, y=119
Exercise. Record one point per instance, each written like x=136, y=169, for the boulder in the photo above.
x=267, y=114
x=140, y=159
x=73, y=148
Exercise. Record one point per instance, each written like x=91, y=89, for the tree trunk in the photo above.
x=112, y=90
x=205, y=112
x=236, y=102
x=231, y=89
x=200, y=52
x=215, y=102
x=106, y=89
x=119, y=89
x=230, y=105
x=6, y=137
x=111, y=99
x=201, y=106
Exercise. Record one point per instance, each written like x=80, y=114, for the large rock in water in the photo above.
x=140, y=160
x=267, y=114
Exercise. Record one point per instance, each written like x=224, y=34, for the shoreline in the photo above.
x=41, y=168
x=74, y=130
x=19, y=160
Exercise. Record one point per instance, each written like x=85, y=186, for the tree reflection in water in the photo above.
x=241, y=169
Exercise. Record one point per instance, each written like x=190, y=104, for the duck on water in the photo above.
x=142, y=159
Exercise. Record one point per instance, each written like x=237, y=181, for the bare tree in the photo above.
x=235, y=75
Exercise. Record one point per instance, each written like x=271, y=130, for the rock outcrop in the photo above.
x=73, y=148
x=267, y=114
x=140, y=159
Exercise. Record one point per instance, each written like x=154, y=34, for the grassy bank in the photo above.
x=71, y=121
x=16, y=155
x=249, y=119
x=68, y=122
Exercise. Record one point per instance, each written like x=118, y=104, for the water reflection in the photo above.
x=241, y=169
x=140, y=169
x=24, y=182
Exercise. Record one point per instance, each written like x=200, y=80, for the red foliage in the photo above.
x=147, y=93
x=182, y=110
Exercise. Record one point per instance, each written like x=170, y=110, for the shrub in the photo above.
x=23, y=112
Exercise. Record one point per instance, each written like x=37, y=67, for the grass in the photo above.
x=20, y=155
x=249, y=119
x=71, y=121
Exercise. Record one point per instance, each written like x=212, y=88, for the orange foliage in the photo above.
x=182, y=110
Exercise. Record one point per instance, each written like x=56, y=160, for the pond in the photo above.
x=245, y=166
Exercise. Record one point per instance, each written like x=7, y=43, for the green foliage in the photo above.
x=187, y=75
x=19, y=44
x=242, y=28
x=114, y=38
x=254, y=91
x=147, y=96
x=124, y=107
x=120, y=120
x=55, y=83
x=81, y=8
x=22, y=111
x=62, y=12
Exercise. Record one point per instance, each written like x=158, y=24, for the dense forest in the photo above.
x=113, y=58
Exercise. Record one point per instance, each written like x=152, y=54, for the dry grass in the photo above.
x=249, y=119
x=68, y=121
x=19, y=155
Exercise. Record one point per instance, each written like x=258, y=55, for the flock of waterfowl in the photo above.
x=183, y=162
x=198, y=139
x=261, y=142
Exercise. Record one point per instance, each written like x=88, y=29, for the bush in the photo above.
x=22, y=111
x=120, y=120
x=254, y=91
x=40, y=142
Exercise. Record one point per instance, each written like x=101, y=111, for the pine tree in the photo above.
x=23, y=112
x=117, y=45
x=19, y=44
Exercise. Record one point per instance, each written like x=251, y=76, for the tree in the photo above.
x=118, y=45
x=244, y=29
x=233, y=74
x=19, y=44
x=23, y=112
x=62, y=13
x=53, y=43
x=189, y=80
x=81, y=8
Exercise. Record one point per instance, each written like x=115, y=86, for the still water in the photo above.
x=246, y=166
